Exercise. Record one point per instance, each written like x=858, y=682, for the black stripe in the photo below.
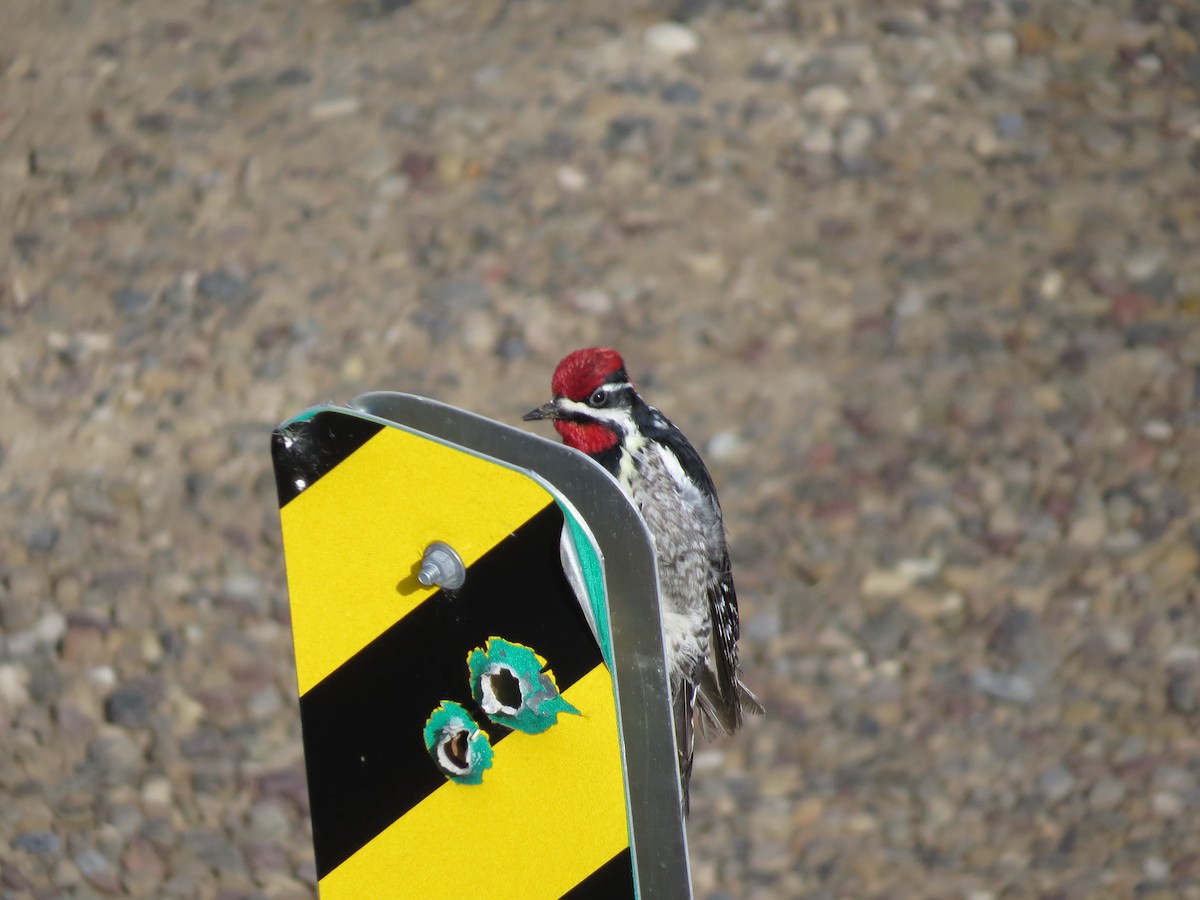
x=307, y=449
x=612, y=881
x=363, y=743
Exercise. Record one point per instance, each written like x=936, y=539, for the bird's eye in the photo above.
x=599, y=398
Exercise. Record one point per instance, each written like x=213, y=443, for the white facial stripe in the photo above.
x=619, y=417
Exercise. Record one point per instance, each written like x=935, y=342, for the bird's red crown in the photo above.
x=583, y=371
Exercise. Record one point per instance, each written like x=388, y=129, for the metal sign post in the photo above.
x=462, y=725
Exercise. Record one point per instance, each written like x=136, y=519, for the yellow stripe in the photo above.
x=550, y=811
x=354, y=540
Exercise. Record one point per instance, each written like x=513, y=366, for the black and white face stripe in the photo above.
x=618, y=393
x=609, y=404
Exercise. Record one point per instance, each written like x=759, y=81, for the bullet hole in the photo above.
x=502, y=692
x=459, y=748
x=454, y=747
x=515, y=687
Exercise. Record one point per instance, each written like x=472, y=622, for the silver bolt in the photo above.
x=442, y=566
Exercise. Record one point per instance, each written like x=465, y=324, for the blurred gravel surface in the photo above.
x=922, y=278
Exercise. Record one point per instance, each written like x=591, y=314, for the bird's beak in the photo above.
x=545, y=411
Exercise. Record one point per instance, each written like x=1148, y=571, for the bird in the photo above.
x=597, y=410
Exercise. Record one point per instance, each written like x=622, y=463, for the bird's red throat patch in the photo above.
x=585, y=436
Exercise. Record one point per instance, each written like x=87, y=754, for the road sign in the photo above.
x=472, y=730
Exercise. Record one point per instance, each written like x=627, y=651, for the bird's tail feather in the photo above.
x=720, y=714
x=683, y=700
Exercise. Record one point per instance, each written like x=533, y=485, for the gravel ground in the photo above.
x=923, y=279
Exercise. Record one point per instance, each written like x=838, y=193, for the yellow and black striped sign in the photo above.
x=376, y=652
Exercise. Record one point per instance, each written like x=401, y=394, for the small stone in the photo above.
x=97, y=871
x=27, y=590
x=910, y=304
x=42, y=539
x=373, y=10
x=1183, y=692
x=265, y=856
x=1175, y=568
x=1156, y=869
x=50, y=627
x=1088, y=531
x=264, y=704
x=461, y=295
x=39, y=842
x=14, y=685
x=268, y=823
x=631, y=134
x=571, y=179
x=246, y=587
x=682, y=93
x=156, y=791
x=17, y=613
x=764, y=71
x=956, y=195
x=294, y=75
x=116, y=756
x=488, y=75
x=854, y=137
x=902, y=26
x=130, y=301
x=45, y=683
x=335, y=109
x=726, y=446
x=306, y=871
x=212, y=848
x=1167, y=804
x=512, y=345
x=890, y=582
x=1033, y=39
x=251, y=88
x=154, y=122
x=224, y=287
x=82, y=645
x=131, y=705
x=353, y=369
x=763, y=627
x=986, y=145
x=826, y=100
x=26, y=244
x=1144, y=264
x=1002, y=686
x=391, y=188
x=402, y=116
x=1055, y=782
x=1009, y=125
x=884, y=583
x=1019, y=637
x=1103, y=142
x=142, y=863
x=1000, y=47
x=282, y=885
x=1051, y=284
x=1106, y=793
x=1158, y=430
x=451, y=168
x=885, y=633
x=289, y=784
x=671, y=39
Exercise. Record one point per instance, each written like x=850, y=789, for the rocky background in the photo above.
x=922, y=280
